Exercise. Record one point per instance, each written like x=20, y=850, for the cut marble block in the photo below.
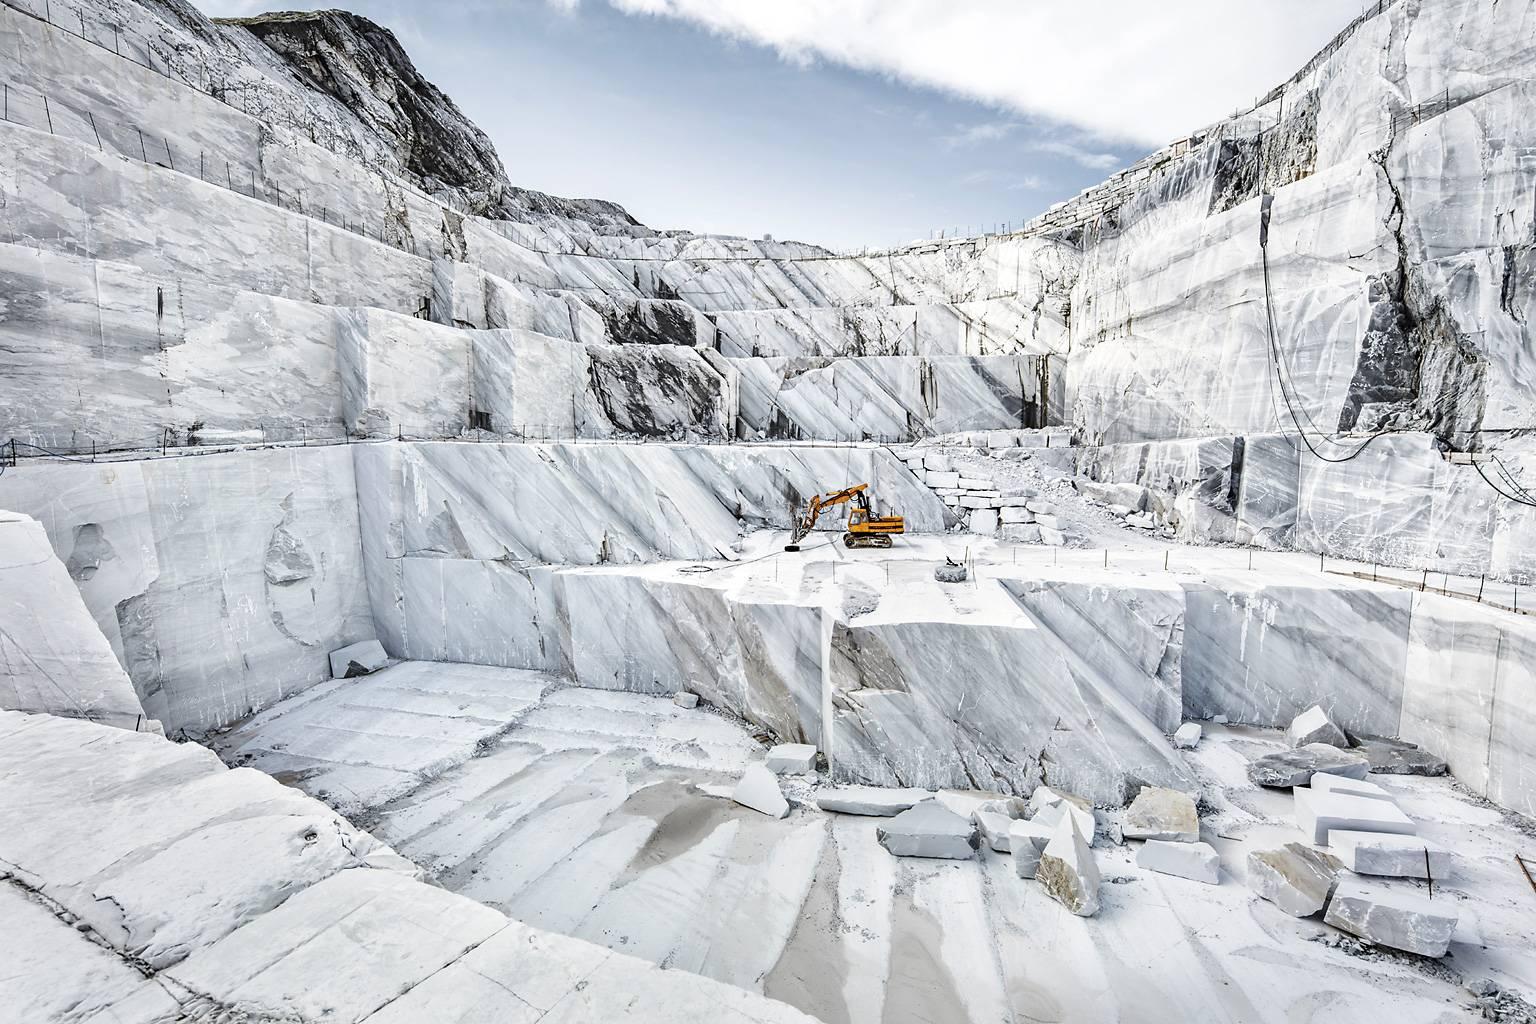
x=941, y=479
x=1187, y=736
x=1322, y=782
x=1067, y=871
x=1289, y=768
x=1048, y=521
x=1392, y=917
x=874, y=801
x=791, y=758
x=1197, y=861
x=685, y=699
x=1026, y=842
x=1015, y=514
x=1164, y=814
x=937, y=462
x=1389, y=855
x=1318, y=813
x=1052, y=815
x=974, y=484
x=1050, y=537
x=1296, y=878
x=1314, y=726
x=929, y=830
x=983, y=521
x=759, y=790
x=995, y=829
x=358, y=659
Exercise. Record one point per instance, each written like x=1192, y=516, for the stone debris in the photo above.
x=950, y=573
x=1395, y=757
x=966, y=802
x=1067, y=872
x=1187, y=736
x=1026, y=841
x=685, y=699
x=1318, y=813
x=994, y=828
x=1285, y=769
x=1388, y=855
x=1325, y=783
x=1164, y=814
x=929, y=829
x=1295, y=878
x=1197, y=861
x=1008, y=806
x=1392, y=917
x=1314, y=726
x=759, y=790
x=871, y=801
x=358, y=659
x=791, y=758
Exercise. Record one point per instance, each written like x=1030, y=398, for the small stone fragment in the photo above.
x=1164, y=814
x=1393, y=918
x=1296, y=878
x=1314, y=726
x=1289, y=768
x=759, y=790
x=1318, y=813
x=791, y=758
x=929, y=830
x=1197, y=861
x=1389, y=855
x=358, y=659
x=872, y=801
x=1187, y=736
x=1067, y=871
x=1395, y=757
x=950, y=573
x=1026, y=841
x=685, y=699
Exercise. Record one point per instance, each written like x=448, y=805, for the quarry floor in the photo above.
x=605, y=815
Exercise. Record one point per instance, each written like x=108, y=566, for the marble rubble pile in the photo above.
x=1012, y=514
x=1368, y=838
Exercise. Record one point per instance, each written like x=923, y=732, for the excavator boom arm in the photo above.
x=820, y=503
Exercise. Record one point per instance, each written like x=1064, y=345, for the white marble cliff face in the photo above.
x=1261, y=651
x=52, y=656
x=221, y=582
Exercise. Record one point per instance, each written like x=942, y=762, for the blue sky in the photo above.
x=843, y=122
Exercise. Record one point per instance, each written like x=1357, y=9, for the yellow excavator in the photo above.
x=865, y=529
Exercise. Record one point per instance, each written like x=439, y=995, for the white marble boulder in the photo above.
x=871, y=801
x=1286, y=769
x=1187, y=736
x=791, y=758
x=759, y=790
x=1027, y=840
x=358, y=659
x=1196, y=861
x=1319, y=812
x=1164, y=814
x=1393, y=917
x=685, y=699
x=929, y=830
x=1387, y=855
x=995, y=828
x=1067, y=871
x=1314, y=726
x=1295, y=878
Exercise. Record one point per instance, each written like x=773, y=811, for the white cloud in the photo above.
x=974, y=134
x=1124, y=70
x=1076, y=153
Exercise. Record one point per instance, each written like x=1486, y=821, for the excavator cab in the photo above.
x=866, y=529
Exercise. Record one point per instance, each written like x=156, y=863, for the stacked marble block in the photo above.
x=979, y=506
